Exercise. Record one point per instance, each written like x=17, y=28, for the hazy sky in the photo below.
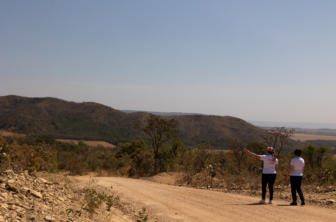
x=256, y=60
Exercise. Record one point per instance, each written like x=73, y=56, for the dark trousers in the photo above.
x=267, y=179
x=296, y=186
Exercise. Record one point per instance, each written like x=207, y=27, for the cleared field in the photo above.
x=90, y=143
x=303, y=137
x=6, y=133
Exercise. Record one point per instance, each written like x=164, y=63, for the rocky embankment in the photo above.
x=26, y=197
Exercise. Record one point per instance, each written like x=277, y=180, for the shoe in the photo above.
x=293, y=204
x=270, y=202
x=303, y=203
x=262, y=201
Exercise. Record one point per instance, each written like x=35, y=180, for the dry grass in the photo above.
x=304, y=137
x=90, y=143
x=6, y=133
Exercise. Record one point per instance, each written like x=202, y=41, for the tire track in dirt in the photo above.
x=173, y=203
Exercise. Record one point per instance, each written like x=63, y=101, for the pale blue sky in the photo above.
x=256, y=60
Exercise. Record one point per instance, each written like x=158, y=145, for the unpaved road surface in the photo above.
x=174, y=203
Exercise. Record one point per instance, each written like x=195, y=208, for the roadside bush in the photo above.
x=26, y=157
x=94, y=199
x=168, y=157
x=130, y=149
x=315, y=156
x=142, y=163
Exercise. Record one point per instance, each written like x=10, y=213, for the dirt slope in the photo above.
x=173, y=203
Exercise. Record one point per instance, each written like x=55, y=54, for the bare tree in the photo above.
x=277, y=138
x=238, y=151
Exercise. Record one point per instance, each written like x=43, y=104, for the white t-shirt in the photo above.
x=298, y=164
x=269, y=164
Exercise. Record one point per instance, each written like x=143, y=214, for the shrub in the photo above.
x=142, y=163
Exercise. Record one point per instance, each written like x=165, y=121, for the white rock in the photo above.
x=12, y=214
x=330, y=201
x=50, y=218
x=4, y=195
x=4, y=205
x=14, y=188
x=36, y=194
x=9, y=171
x=43, y=180
x=10, y=181
x=25, y=188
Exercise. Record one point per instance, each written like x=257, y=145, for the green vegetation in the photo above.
x=142, y=216
x=94, y=199
x=159, y=131
x=315, y=155
x=328, y=143
x=320, y=167
x=200, y=164
x=91, y=121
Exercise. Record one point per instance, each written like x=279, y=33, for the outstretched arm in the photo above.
x=252, y=154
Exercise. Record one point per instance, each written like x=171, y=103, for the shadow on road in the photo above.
x=254, y=204
x=251, y=204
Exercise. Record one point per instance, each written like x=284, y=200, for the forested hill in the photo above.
x=93, y=121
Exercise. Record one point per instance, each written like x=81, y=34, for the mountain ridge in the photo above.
x=93, y=121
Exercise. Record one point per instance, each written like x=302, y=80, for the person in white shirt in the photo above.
x=296, y=173
x=269, y=172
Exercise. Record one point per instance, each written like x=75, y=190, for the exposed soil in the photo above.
x=90, y=143
x=303, y=137
x=7, y=133
x=178, y=203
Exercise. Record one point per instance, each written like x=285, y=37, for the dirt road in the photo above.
x=173, y=203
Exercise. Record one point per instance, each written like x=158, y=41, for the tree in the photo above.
x=142, y=163
x=170, y=155
x=277, y=137
x=314, y=155
x=202, y=154
x=238, y=151
x=257, y=148
x=159, y=130
x=131, y=149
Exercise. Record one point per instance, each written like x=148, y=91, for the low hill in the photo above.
x=93, y=121
x=67, y=120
